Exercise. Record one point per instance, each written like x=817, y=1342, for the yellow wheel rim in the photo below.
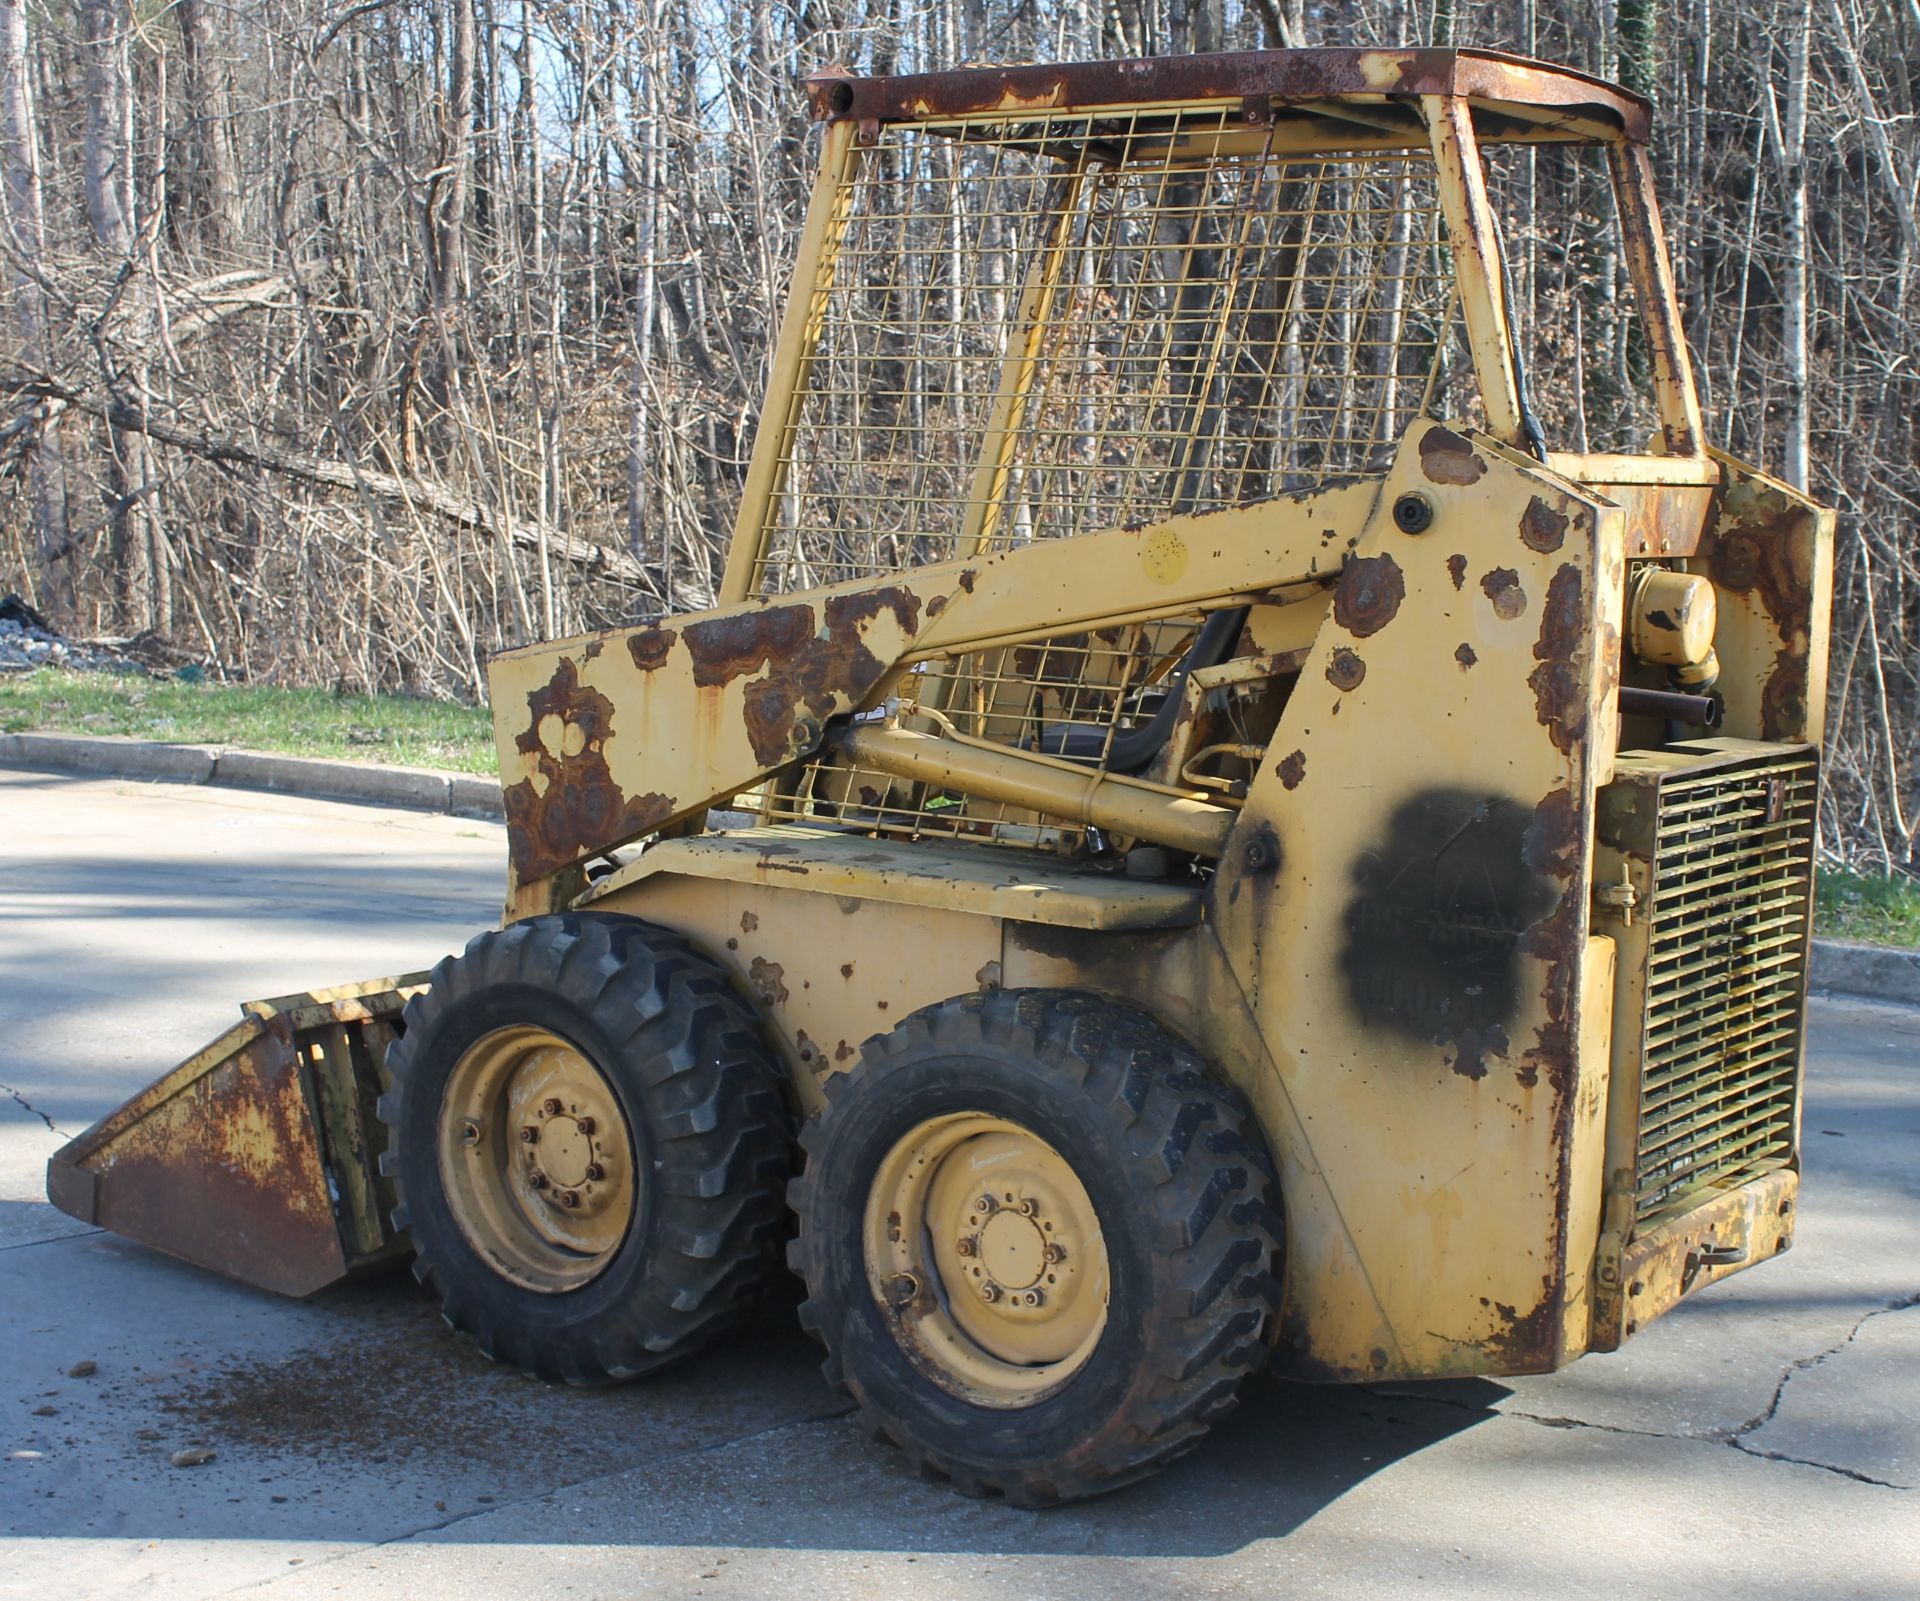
x=987, y=1259
x=536, y=1159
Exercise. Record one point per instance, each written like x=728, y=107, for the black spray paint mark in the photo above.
x=1433, y=927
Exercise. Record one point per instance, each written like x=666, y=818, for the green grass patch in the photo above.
x=1877, y=908
x=389, y=729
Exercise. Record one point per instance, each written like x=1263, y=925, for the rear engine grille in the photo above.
x=1726, y=977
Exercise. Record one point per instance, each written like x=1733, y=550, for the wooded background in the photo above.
x=349, y=342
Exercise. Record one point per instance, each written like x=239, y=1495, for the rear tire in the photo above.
x=1166, y=1190
x=612, y=1052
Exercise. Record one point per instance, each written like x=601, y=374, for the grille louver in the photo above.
x=1726, y=976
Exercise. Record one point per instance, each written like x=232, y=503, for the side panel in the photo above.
x=608, y=737
x=1770, y=556
x=1404, y=906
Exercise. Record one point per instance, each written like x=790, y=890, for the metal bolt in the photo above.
x=1413, y=513
x=529, y=1135
x=586, y=1125
x=989, y=1291
x=595, y=1172
x=964, y=1245
x=537, y=1179
x=569, y=1198
x=551, y=1106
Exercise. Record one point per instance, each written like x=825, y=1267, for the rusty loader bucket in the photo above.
x=259, y=1155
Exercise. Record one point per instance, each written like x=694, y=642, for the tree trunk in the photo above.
x=212, y=115
x=108, y=159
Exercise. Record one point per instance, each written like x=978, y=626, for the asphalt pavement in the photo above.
x=1763, y=1440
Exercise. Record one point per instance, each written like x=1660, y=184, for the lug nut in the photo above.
x=989, y=1291
x=537, y=1179
x=1055, y=1253
x=586, y=1125
x=986, y=1203
x=551, y=1106
x=595, y=1172
x=569, y=1198
x=1034, y=1297
x=1028, y=1208
x=529, y=1135
x=964, y=1246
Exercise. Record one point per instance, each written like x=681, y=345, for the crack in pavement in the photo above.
x=1801, y=1365
x=27, y=1106
x=553, y=1490
x=1736, y=1439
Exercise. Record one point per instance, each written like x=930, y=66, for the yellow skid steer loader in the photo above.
x=1257, y=852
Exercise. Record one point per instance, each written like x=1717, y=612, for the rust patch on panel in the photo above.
x=1758, y=557
x=1446, y=458
x=1783, y=703
x=1457, y=571
x=768, y=980
x=726, y=648
x=1369, y=594
x=1542, y=528
x=1465, y=656
x=1553, y=837
x=1502, y=586
x=749, y=921
x=806, y=672
x=1293, y=769
x=1559, y=698
x=1346, y=669
x=1528, y=1341
x=1254, y=78
x=650, y=647
x=1555, y=841
x=576, y=806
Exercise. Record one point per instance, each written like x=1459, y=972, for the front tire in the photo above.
x=1039, y=1242
x=588, y=1140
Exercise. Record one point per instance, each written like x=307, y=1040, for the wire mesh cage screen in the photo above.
x=1067, y=696
x=1575, y=316
x=1035, y=329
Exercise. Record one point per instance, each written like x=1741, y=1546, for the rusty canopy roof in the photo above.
x=1529, y=94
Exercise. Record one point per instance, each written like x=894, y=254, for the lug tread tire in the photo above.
x=703, y=1099
x=1209, y=1218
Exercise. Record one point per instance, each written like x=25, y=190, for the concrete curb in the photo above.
x=110, y=756
x=414, y=788
x=1879, y=972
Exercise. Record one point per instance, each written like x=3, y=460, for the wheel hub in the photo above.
x=536, y=1158
x=1000, y=1294
x=1013, y=1251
